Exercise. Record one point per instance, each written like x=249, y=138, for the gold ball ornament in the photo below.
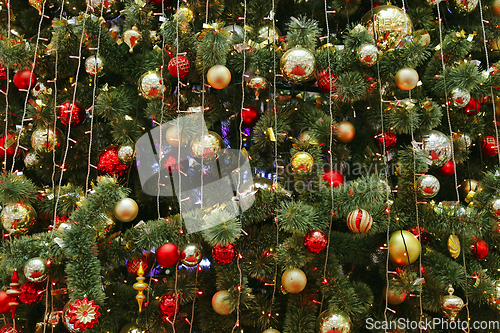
x=94, y=65
x=44, y=140
x=437, y=146
x=344, y=132
x=151, y=85
x=31, y=160
x=466, y=6
x=257, y=84
x=406, y=78
x=469, y=187
x=269, y=33
x=396, y=294
x=220, y=303
x=391, y=25
x=132, y=328
x=495, y=7
x=451, y=304
x=302, y=162
x=332, y=322
x=428, y=186
x=190, y=254
x=271, y=330
x=368, y=55
x=126, y=210
x=219, y=77
x=294, y=280
x=207, y=146
x=460, y=97
x=184, y=15
x=131, y=37
x=126, y=154
x=454, y=246
x=404, y=248
x=172, y=136
x=18, y=218
x=423, y=37
x=35, y=270
x=298, y=65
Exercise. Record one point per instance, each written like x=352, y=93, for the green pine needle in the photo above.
x=296, y=217
x=14, y=189
x=222, y=233
x=302, y=32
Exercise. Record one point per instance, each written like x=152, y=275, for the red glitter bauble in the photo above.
x=490, y=146
x=390, y=140
x=473, y=107
x=32, y=293
x=169, y=306
x=157, y=3
x=24, y=79
x=333, y=178
x=110, y=164
x=315, y=241
x=224, y=254
x=10, y=328
x=480, y=249
x=4, y=302
x=75, y=111
x=167, y=255
x=182, y=64
x=3, y=73
x=133, y=265
x=325, y=81
x=447, y=170
x=423, y=234
x=7, y=144
x=250, y=115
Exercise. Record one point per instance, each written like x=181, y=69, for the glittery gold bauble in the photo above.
x=206, y=146
x=219, y=77
x=404, y=248
x=451, y=304
x=428, y=186
x=466, y=6
x=17, y=218
x=294, y=280
x=368, y=54
x=437, y=146
x=220, y=303
x=344, y=132
x=31, y=160
x=423, y=37
x=332, y=322
x=190, y=254
x=271, y=330
x=35, y=270
x=298, y=65
x=406, y=78
x=302, y=162
x=391, y=24
x=467, y=186
x=94, y=65
x=44, y=140
x=495, y=7
x=151, y=85
x=131, y=37
x=184, y=15
x=454, y=246
x=460, y=97
x=132, y=328
x=126, y=154
x=126, y=210
x=257, y=84
x=172, y=136
x=269, y=33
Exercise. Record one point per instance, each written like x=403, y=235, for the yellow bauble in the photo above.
x=404, y=248
x=132, y=328
x=391, y=24
x=18, y=218
x=271, y=330
x=207, y=146
x=126, y=210
x=220, y=303
x=423, y=37
x=344, y=132
x=219, y=77
x=454, y=246
x=294, y=280
x=172, y=136
x=406, y=78
x=495, y=7
x=302, y=162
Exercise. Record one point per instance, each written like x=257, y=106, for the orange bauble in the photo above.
x=344, y=132
x=220, y=304
x=219, y=77
x=294, y=280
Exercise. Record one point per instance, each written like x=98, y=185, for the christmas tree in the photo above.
x=249, y=166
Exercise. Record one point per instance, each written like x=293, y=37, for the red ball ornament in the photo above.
x=157, y=3
x=315, y=241
x=32, y=293
x=24, y=79
x=10, y=328
x=359, y=221
x=390, y=140
x=110, y=164
x=181, y=64
x=447, y=170
x=4, y=302
x=169, y=306
x=250, y=115
x=480, y=249
x=224, y=254
x=326, y=82
x=75, y=111
x=7, y=144
x=167, y=255
x=473, y=107
x=333, y=178
x=490, y=146
x=133, y=265
x=3, y=73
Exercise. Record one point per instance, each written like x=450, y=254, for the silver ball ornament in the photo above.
x=428, y=186
x=438, y=147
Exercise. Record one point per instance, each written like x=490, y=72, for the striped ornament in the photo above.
x=359, y=221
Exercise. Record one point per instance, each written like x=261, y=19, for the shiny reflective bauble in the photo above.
x=396, y=295
x=494, y=206
x=406, y=78
x=224, y=254
x=263, y=183
x=438, y=147
x=233, y=30
x=206, y=146
x=460, y=97
x=391, y=25
x=131, y=37
x=32, y=293
x=167, y=255
x=126, y=210
x=271, y=330
x=151, y=85
x=298, y=65
x=333, y=178
x=489, y=146
x=428, y=186
x=35, y=269
x=495, y=301
x=480, y=249
x=302, y=162
x=126, y=154
x=326, y=81
x=8, y=143
x=454, y=246
x=169, y=306
x=110, y=164
x=134, y=264
x=269, y=33
x=172, y=136
x=18, y=218
x=404, y=247
x=344, y=132
x=359, y=221
x=368, y=55
x=71, y=112
x=250, y=115
x=220, y=304
x=44, y=140
x=24, y=79
x=10, y=328
x=132, y=328
x=257, y=84
x=467, y=186
x=184, y=15
x=37, y=4
x=451, y=305
x=315, y=241
x=219, y=77
x=473, y=107
x=329, y=322
x=190, y=254
x=387, y=138
x=31, y=160
x=465, y=6
x=41, y=89
x=294, y=280
x=179, y=67
x=4, y=302
x=423, y=37
x=94, y=65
